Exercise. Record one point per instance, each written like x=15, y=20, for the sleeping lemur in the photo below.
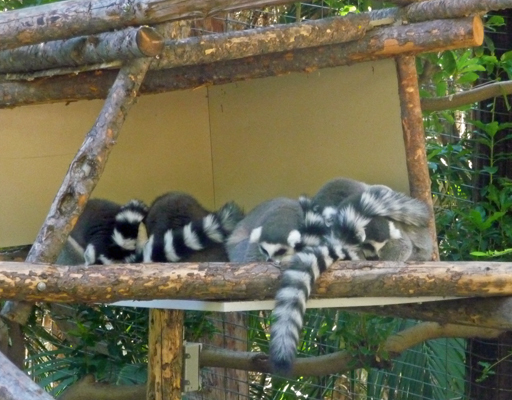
x=181, y=229
x=371, y=213
x=275, y=230
x=106, y=233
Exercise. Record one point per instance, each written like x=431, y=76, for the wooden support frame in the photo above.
x=166, y=326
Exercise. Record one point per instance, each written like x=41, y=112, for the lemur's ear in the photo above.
x=294, y=238
x=255, y=235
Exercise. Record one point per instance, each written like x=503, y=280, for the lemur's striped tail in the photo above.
x=212, y=229
x=127, y=225
x=297, y=281
x=381, y=201
x=313, y=228
x=377, y=201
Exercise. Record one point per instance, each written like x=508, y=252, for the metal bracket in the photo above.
x=191, y=377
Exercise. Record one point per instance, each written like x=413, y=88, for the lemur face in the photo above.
x=277, y=252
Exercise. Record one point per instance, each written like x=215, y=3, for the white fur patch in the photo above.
x=255, y=235
x=294, y=238
x=121, y=241
x=377, y=245
x=394, y=232
x=133, y=217
x=170, y=252
x=313, y=218
x=90, y=255
x=211, y=228
x=148, y=249
x=329, y=214
x=104, y=260
x=191, y=239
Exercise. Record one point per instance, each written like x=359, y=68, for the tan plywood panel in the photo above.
x=288, y=135
x=164, y=145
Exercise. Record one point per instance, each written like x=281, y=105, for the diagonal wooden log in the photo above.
x=71, y=18
x=377, y=44
x=222, y=281
x=83, y=175
x=122, y=45
x=14, y=384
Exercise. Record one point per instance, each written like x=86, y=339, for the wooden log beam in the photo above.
x=165, y=354
x=377, y=44
x=122, y=45
x=491, y=312
x=414, y=139
x=138, y=42
x=83, y=175
x=104, y=284
x=14, y=384
x=440, y=9
x=259, y=41
x=65, y=19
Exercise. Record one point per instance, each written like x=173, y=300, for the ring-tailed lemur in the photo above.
x=106, y=233
x=386, y=239
x=181, y=229
x=388, y=224
x=357, y=215
x=275, y=230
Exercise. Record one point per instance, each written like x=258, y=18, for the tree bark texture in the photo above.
x=71, y=18
x=441, y=9
x=259, y=41
x=377, y=44
x=481, y=93
x=414, y=139
x=107, y=47
x=105, y=284
x=165, y=354
x=139, y=42
x=16, y=385
x=492, y=312
x=83, y=175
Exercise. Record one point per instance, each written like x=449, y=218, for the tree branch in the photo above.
x=83, y=175
x=467, y=97
x=55, y=283
x=15, y=385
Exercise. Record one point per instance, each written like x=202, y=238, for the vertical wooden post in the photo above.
x=414, y=137
x=165, y=354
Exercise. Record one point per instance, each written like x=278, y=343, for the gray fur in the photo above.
x=276, y=217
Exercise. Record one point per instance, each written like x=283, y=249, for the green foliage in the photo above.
x=6, y=5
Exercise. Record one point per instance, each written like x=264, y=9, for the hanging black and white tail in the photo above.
x=178, y=244
x=295, y=288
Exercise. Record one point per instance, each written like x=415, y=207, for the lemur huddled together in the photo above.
x=345, y=220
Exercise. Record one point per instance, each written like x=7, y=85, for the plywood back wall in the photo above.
x=248, y=141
